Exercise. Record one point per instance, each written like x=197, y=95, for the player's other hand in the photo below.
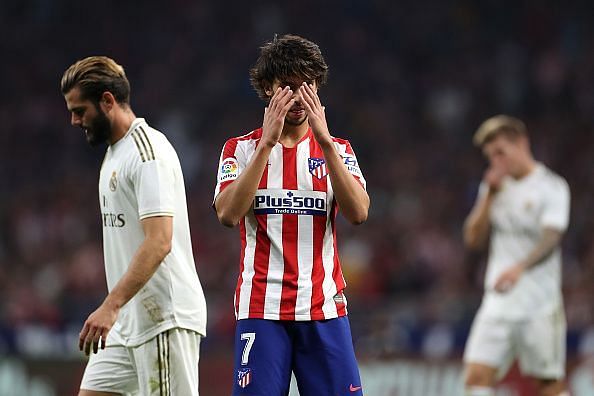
x=508, y=279
x=316, y=113
x=493, y=177
x=96, y=328
x=274, y=115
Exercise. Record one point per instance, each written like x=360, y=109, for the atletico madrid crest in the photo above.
x=244, y=377
x=317, y=167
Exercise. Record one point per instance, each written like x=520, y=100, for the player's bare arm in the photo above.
x=477, y=225
x=233, y=203
x=350, y=195
x=551, y=238
x=158, y=233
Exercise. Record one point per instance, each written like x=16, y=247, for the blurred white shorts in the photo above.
x=538, y=343
x=165, y=365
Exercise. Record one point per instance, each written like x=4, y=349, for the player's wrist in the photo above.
x=112, y=303
x=325, y=141
x=267, y=143
x=523, y=266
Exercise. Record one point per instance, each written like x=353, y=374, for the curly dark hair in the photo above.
x=289, y=59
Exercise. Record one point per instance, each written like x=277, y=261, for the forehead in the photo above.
x=74, y=99
x=498, y=142
x=292, y=81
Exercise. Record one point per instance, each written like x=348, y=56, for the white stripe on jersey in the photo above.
x=251, y=225
x=305, y=239
x=329, y=285
x=274, y=227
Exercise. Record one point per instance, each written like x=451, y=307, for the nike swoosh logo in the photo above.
x=354, y=388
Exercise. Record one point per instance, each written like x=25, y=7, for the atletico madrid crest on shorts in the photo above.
x=317, y=167
x=244, y=377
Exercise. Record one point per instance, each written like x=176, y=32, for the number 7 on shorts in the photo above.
x=250, y=337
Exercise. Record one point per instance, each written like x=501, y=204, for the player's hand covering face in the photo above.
x=494, y=176
x=316, y=113
x=274, y=115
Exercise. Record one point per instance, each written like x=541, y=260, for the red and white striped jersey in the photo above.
x=289, y=267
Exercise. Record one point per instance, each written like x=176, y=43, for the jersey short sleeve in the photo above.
x=154, y=188
x=483, y=190
x=556, y=206
x=230, y=165
x=350, y=161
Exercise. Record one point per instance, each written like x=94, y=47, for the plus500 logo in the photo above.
x=311, y=203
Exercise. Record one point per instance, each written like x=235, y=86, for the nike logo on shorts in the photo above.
x=354, y=388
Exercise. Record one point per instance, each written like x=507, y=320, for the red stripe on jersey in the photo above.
x=261, y=259
x=290, y=240
x=241, y=264
x=319, y=229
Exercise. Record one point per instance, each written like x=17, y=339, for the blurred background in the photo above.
x=409, y=83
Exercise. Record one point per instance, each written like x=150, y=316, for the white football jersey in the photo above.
x=141, y=177
x=519, y=213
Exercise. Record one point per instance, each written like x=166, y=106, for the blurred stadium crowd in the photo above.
x=408, y=85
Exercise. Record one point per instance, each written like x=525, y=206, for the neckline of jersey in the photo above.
x=538, y=168
x=137, y=121
x=307, y=134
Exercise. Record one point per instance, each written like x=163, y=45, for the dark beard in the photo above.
x=100, y=129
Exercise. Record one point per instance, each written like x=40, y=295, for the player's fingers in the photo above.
x=104, y=338
x=273, y=99
x=276, y=93
x=284, y=98
x=314, y=94
x=305, y=103
x=82, y=335
x=287, y=107
x=96, y=340
x=307, y=100
x=502, y=285
x=277, y=102
x=315, y=100
x=89, y=341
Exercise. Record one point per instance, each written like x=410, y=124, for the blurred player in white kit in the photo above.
x=522, y=210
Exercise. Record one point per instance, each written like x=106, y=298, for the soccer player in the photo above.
x=523, y=209
x=283, y=184
x=150, y=324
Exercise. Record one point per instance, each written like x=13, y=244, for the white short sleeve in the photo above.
x=350, y=161
x=230, y=165
x=556, y=208
x=154, y=185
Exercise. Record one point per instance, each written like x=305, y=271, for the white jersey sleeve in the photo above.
x=232, y=162
x=556, y=206
x=154, y=186
x=350, y=160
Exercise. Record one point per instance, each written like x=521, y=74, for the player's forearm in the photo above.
x=548, y=243
x=350, y=195
x=145, y=262
x=235, y=201
x=478, y=224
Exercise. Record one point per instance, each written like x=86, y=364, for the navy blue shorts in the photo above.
x=319, y=353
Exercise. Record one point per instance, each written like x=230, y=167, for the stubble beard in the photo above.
x=295, y=122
